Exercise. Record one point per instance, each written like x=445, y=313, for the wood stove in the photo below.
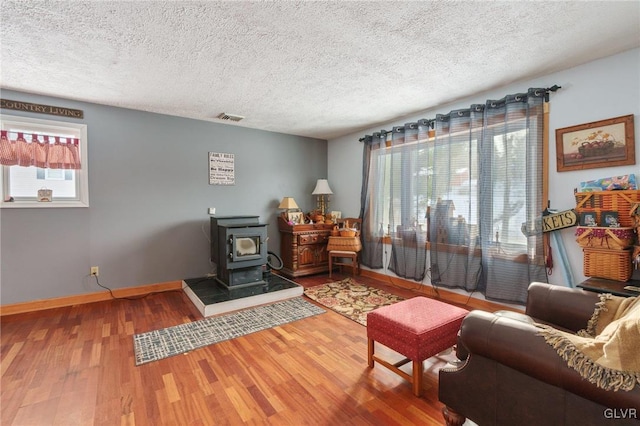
x=239, y=250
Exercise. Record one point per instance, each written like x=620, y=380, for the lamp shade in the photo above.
x=288, y=203
x=322, y=187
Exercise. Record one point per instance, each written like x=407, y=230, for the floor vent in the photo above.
x=231, y=117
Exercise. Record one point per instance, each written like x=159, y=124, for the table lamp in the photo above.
x=288, y=203
x=322, y=189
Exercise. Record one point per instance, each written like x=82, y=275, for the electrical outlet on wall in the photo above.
x=212, y=210
x=95, y=271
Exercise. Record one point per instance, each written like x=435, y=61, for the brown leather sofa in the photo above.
x=510, y=376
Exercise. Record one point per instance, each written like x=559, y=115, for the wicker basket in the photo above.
x=605, y=238
x=596, y=148
x=344, y=244
x=602, y=201
x=346, y=232
x=609, y=264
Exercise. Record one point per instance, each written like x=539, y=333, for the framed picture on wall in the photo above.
x=604, y=143
x=336, y=215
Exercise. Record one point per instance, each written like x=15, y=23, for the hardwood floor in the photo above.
x=75, y=366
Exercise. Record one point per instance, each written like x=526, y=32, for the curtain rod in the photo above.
x=431, y=121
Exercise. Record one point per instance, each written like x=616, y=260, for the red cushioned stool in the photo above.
x=417, y=328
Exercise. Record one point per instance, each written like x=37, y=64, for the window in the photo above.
x=481, y=172
x=405, y=195
x=411, y=167
x=20, y=184
x=509, y=188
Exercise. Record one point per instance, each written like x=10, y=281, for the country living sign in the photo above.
x=551, y=222
x=41, y=109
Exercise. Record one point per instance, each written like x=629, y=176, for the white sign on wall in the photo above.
x=221, y=169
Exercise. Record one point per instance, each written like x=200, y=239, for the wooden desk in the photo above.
x=601, y=285
x=303, y=248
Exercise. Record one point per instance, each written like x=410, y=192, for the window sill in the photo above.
x=41, y=205
x=463, y=250
x=388, y=240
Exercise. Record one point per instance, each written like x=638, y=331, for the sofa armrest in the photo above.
x=515, y=344
x=568, y=308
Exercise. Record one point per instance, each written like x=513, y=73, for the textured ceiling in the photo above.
x=318, y=69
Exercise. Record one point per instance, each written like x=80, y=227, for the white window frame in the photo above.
x=48, y=127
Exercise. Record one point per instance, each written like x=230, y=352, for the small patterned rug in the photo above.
x=351, y=299
x=160, y=344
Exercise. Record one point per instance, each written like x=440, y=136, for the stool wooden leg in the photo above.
x=417, y=377
x=370, y=346
x=353, y=265
x=330, y=266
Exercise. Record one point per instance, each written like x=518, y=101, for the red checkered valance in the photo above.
x=47, y=152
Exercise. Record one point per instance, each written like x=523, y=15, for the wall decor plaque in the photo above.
x=221, y=168
x=41, y=109
x=551, y=222
x=604, y=143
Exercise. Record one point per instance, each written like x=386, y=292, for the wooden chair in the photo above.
x=346, y=257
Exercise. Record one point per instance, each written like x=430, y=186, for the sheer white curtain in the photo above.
x=472, y=182
x=511, y=195
x=395, y=200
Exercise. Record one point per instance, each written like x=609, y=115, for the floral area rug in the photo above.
x=351, y=299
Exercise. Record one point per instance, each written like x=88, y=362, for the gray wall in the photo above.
x=149, y=193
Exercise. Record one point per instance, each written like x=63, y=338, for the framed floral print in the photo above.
x=604, y=143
